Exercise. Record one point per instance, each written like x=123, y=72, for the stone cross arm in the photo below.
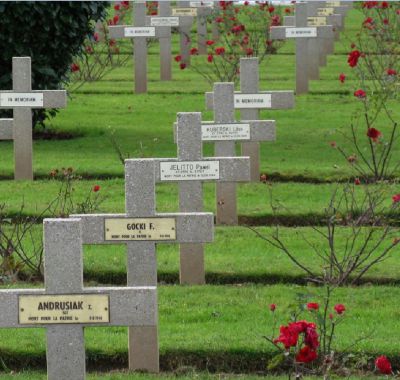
x=279, y=32
x=6, y=129
x=190, y=227
x=260, y=130
x=231, y=169
x=129, y=31
x=129, y=306
x=40, y=99
x=276, y=100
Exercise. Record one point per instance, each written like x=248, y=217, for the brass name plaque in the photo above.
x=184, y=12
x=63, y=309
x=316, y=21
x=325, y=12
x=139, y=229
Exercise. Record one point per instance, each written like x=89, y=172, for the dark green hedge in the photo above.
x=51, y=33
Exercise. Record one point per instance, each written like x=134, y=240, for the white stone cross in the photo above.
x=141, y=32
x=250, y=100
x=65, y=306
x=307, y=50
x=22, y=100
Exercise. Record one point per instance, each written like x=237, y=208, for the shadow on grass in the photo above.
x=220, y=278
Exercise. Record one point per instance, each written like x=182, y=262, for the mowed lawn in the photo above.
x=218, y=327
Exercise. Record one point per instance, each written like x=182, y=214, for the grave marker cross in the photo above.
x=307, y=59
x=98, y=306
x=141, y=228
x=140, y=32
x=256, y=100
x=190, y=153
x=22, y=99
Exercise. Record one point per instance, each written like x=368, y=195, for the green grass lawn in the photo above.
x=218, y=327
x=221, y=328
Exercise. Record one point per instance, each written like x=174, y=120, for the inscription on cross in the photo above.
x=141, y=228
x=65, y=306
x=22, y=99
x=250, y=101
x=307, y=52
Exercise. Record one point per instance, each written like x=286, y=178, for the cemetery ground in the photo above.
x=218, y=327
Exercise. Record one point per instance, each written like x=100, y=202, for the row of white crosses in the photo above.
x=159, y=27
x=22, y=100
x=314, y=35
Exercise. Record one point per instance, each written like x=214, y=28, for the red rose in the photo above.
x=272, y=307
x=312, y=306
x=115, y=19
x=96, y=188
x=374, y=134
x=357, y=181
x=288, y=11
x=384, y=5
x=219, y=50
x=271, y=9
x=112, y=42
x=342, y=77
x=311, y=338
x=210, y=58
x=353, y=57
x=396, y=198
x=382, y=363
x=339, y=308
x=353, y=45
x=210, y=42
x=306, y=355
x=182, y=65
x=178, y=58
x=361, y=94
x=385, y=21
x=249, y=51
x=391, y=72
x=117, y=7
x=219, y=20
x=275, y=20
x=194, y=51
x=96, y=36
x=75, y=67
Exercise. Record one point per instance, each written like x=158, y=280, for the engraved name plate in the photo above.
x=164, y=21
x=63, y=309
x=301, y=32
x=316, y=21
x=21, y=99
x=184, y=12
x=189, y=170
x=217, y=132
x=325, y=12
x=145, y=31
x=253, y=101
x=139, y=229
